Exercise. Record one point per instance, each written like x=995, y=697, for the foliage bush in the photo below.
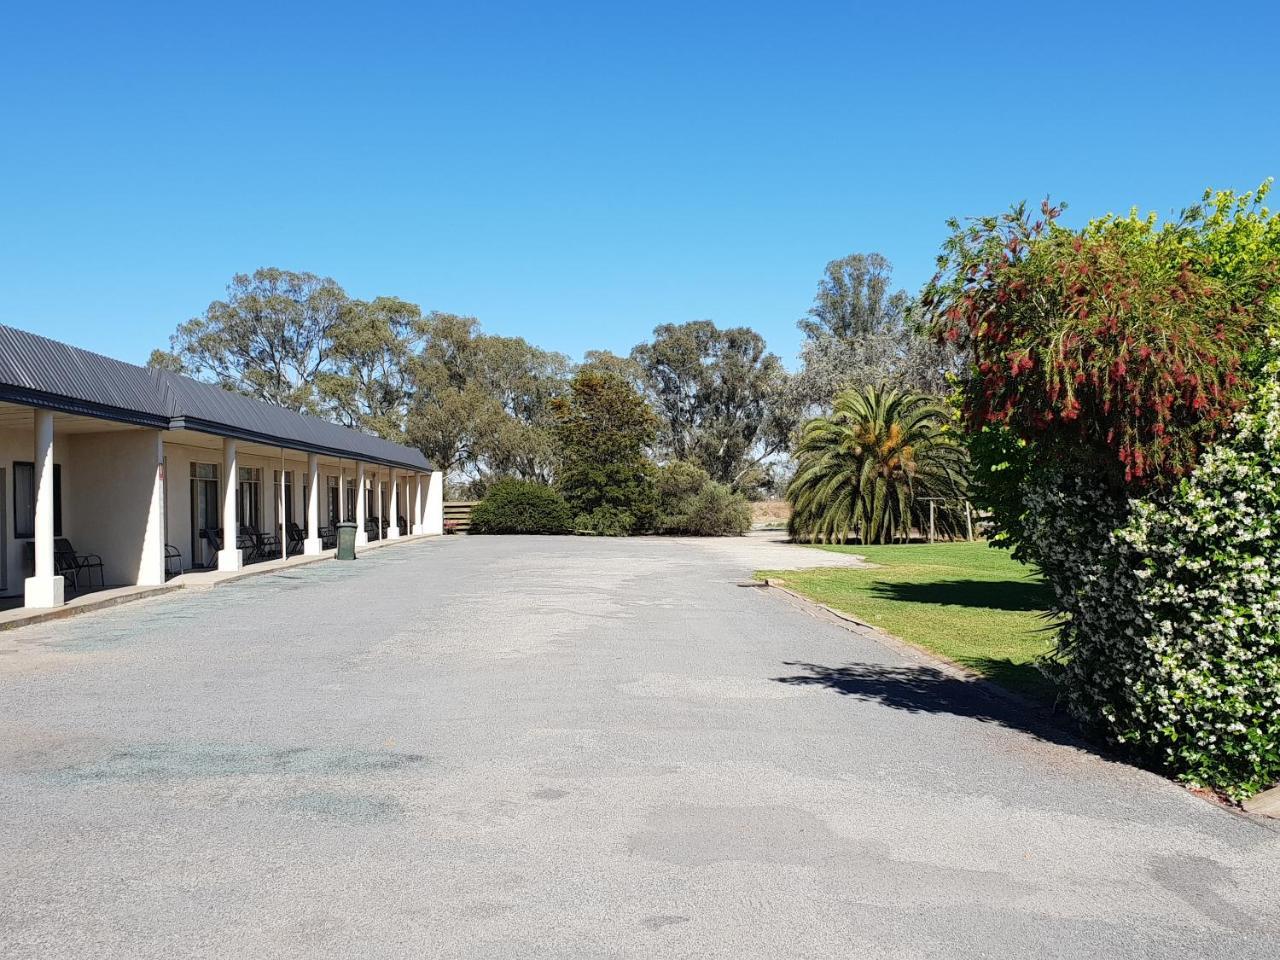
x=1111, y=366
x=715, y=511
x=1171, y=644
x=1119, y=347
x=690, y=503
x=602, y=427
x=520, y=506
x=605, y=522
x=864, y=469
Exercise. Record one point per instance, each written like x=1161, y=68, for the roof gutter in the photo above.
x=81, y=408
x=289, y=443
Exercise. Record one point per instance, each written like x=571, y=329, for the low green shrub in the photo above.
x=605, y=522
x=519, y=506
x=690, y=503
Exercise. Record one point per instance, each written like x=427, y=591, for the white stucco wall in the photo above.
x=114, y=498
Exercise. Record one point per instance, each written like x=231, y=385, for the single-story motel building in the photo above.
x=147, y=470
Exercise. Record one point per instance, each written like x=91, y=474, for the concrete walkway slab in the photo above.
x=99, y=599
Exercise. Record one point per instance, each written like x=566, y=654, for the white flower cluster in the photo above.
x=1170, y=636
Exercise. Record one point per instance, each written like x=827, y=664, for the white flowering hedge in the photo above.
x=1170, y=640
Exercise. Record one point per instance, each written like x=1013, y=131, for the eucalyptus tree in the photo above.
x=369, y=382
x=271, y=338
x=721, y=398
x=860, y=332
x=481, y=405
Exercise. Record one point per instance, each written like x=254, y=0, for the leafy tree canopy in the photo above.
x=604, y=429
x=858, y=333
x=720, y=396
x=270, y=338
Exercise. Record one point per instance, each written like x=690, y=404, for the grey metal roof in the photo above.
x=38, y=371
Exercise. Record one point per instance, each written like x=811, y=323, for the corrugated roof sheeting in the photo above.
x=37, y=365
x=193, y=400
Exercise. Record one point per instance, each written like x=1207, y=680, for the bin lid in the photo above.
x=348, y=523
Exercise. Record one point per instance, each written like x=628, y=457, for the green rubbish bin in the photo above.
x=346, y=540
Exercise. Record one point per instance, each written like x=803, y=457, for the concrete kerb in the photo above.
x=919, y=654
x=21, y=617
x=1265, y=806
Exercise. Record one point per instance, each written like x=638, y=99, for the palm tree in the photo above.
x=864, y=469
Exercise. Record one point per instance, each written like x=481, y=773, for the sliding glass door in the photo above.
x=205, y=512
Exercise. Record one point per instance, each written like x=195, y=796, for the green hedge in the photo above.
x=519, y=506
x=1170, y=644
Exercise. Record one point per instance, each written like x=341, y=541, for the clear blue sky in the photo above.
x=577, y=173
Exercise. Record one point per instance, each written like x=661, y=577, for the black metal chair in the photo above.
x=371, y=529
x=66, y=558
x=172, y=561
x=213, y=537
x=261, y=546
x=295, y=540
x=64, y=564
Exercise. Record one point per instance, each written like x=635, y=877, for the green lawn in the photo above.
x=966, y=601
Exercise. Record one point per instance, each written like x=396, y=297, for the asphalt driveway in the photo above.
x=538, y=747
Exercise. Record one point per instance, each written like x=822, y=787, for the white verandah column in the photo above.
x=282, y=511
x=229, y=555
x=151, y=565
x=362, y=510
x=394, y=531
x=311, y=546
x=433, y=520
x=417, y=503
x=44, y=588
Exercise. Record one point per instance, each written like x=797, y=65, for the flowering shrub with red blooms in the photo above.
x=1120, y=345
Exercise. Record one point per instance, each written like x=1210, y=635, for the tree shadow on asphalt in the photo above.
x=1017, y=595
x=922, y=689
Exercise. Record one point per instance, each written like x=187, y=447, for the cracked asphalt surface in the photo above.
x=540, y=747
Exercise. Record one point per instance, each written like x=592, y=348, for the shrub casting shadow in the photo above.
x=992, y=594
x=928, y=690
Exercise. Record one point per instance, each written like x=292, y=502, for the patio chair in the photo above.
x=261, y=546
x=65, y=556
x=371, y=529
x=328, y=537
x=172, y=561
x=296, y=537
x=63, y=564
